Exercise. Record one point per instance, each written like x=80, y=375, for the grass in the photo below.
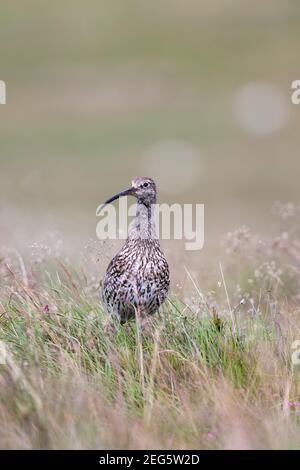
x=215, y=373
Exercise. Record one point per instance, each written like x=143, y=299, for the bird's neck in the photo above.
x=143, y=224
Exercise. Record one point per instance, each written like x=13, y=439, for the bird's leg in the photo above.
x=111, y=325
x=143, y=320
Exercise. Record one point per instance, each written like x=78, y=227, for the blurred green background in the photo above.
x=99, y=92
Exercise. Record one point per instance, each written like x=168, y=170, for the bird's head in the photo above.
x=142, y=187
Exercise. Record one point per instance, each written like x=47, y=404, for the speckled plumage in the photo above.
x=137, y=278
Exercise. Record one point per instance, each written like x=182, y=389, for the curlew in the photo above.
x=137, y=278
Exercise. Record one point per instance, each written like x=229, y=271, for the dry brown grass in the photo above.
x=191, y=380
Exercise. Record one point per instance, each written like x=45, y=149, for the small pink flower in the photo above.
x=46, y=309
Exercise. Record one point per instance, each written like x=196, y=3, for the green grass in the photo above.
x=208, y=378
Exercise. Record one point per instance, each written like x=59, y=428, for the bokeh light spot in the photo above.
x=260, y=108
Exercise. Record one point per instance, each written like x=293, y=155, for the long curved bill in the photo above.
x=127, y=192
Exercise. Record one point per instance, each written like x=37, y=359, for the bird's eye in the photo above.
x=145, y=185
